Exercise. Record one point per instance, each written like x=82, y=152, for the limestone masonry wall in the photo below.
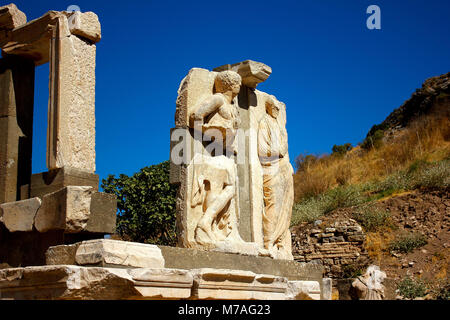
x=333, y=245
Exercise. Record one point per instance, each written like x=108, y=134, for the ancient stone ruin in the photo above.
x=62, y=205
x=229, y=157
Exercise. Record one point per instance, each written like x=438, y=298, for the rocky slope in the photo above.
x=405, y=233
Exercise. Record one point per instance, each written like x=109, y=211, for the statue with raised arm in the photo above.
x=277, y=182
x=214, y=176
x=218, y=112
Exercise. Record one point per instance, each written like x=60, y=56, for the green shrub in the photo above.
x=310, y=209
x=307, y=210
x=342, y=197
x=145, y=204
x=371, y=218
x=408, y=242
x=373, y=140
x=432, y=176
x=342, y=149
x=416, y=165
x=412, y=288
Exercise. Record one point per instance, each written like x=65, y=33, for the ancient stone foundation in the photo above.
x=234, y=209
x=112, y=269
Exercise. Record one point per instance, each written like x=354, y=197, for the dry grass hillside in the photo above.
x=398, y=174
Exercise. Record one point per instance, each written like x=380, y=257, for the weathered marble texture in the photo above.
x=263, y=205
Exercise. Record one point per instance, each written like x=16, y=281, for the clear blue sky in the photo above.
x=336, y=77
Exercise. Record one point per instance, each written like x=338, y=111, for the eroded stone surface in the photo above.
x=19, y=215
x=255, y=195
x=71, y=128
x=54, y=180
x=67, y=209
x=162, y=283
x=327, y=288
x=11, y=17
x=86, y=283
x=252, y=72
x=85, y=25
x=62, y=254
x=66, y=282
x=369, y=286
x=32, y=40
x=106, y=252
x=102, y=218
x=237, y=284
x=303, y=290
x=278, y=184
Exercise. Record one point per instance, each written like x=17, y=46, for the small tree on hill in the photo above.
x=145, y=204
x=341, y=149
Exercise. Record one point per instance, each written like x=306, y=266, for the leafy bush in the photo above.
x=432, y=175
x=343, y=197
x=411, y=288
x=377, y=127
x=341, y=149
x=312, y=208
x=307, y=210
x=374, y=140
x=146, y=204
x=371, y=218
x=408, y=242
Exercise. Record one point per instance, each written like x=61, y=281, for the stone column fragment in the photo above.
x=16, y=125
x=71, y=129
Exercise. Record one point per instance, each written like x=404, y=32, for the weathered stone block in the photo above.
x=103, y=213
x=67, y=209
x=77, y=209
x=54, y=180
x=32, y=40
x=66, y=282
x=237, y=284
x=71, y=129
x=186, y=258
x=11, y=17
x=62, y=254
x=356, y=238
x=85, y=25
x=252, y=72
x=303, y=290
x=19, y=215
x=106, y=252
x=327, y=288
x=162, y=283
